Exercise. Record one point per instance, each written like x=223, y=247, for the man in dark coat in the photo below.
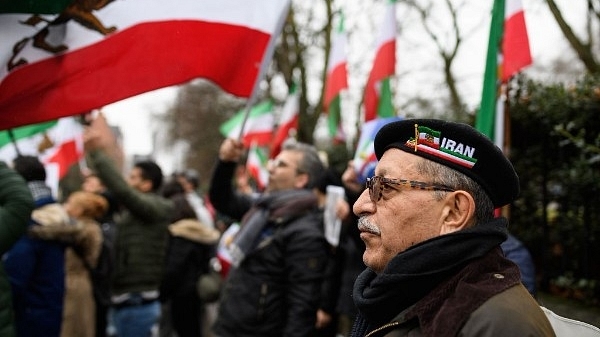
x=279, y=253
x=433, y=257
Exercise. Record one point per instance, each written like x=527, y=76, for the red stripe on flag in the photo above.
x=515, y=46
x=383, y=66
x=261, y=138
x=65, y=156
x=282, y=134
x=336, y=82
x=143, y=58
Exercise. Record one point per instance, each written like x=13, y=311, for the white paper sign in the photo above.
x=333, y=224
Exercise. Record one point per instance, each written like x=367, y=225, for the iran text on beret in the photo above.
x=458, y=146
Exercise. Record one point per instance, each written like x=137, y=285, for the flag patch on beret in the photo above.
x=432, y=142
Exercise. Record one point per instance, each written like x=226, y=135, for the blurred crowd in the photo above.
x=148, y=254
x=318, y=252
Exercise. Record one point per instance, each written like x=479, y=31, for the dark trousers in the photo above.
x=101, y=319
x=186, y=315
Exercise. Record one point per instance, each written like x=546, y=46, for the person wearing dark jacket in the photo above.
x=516, y=251
x=192, y=245
x=279, y=253
x=36, y=265
x=141, y=234
x=92, y=183
x=16, y=204
x=433, y=257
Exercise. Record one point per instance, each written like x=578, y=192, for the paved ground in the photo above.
x=571, y=309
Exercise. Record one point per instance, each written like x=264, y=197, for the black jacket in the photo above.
x=191, y=246
x=275, y=291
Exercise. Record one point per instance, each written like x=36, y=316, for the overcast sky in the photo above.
x=417, y=69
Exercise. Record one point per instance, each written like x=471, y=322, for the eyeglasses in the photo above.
x=377, y=184
x=278, y=163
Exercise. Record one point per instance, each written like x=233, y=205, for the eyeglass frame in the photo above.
x=414, y=184
x=278, y=163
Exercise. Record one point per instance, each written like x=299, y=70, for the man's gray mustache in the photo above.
x=364, y=225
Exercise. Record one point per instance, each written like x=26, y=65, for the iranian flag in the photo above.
x=58, y=144
x=288, y=120
x=508, y=52
x=76, y=60
x=25, y=140
x=256, y=164
x=378, y=93
x=257, y=125
x=337, y=80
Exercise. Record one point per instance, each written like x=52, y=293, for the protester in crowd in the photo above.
x=353, y=248
x=327, y=316
x=352, y=266
x=353, y=189
x=435, y=267
x=91, y=183
x=192, y=245
x=516, y=251
x=169, y=190
x=81, y=256
x=36, y=266
x=141, y=236
x=16, y=204
x=244, y=183
x=279, y=253
x=190, y=181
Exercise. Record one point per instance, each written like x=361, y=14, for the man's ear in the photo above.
x=301, y=180
x=459, y=210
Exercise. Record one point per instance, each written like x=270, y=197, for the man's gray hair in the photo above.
x=441, y=174
x=310, y=163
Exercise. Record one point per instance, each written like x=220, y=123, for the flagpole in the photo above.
x=506, y=136
x=11, y=135
x=263, y=67
x=507, y=132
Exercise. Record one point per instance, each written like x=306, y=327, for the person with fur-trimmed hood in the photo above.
x=192, y=244
x=35, y=265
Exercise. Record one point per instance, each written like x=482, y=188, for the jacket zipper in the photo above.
x=381, y=328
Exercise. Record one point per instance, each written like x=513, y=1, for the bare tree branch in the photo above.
x=582, y=48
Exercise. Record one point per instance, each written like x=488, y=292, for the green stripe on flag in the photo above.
x=430, y=131
x=234, y=124
x=386, y=107
x=25, y=132
x=458, y=155
x=484, y=120
x=34, y=7
x=334, y=116
x=262, y=156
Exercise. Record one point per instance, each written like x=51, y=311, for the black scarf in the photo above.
x=275, y=208
x=412, y=274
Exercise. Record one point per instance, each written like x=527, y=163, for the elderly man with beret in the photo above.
x=433, y=257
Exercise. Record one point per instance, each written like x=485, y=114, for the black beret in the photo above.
x=458, y=146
